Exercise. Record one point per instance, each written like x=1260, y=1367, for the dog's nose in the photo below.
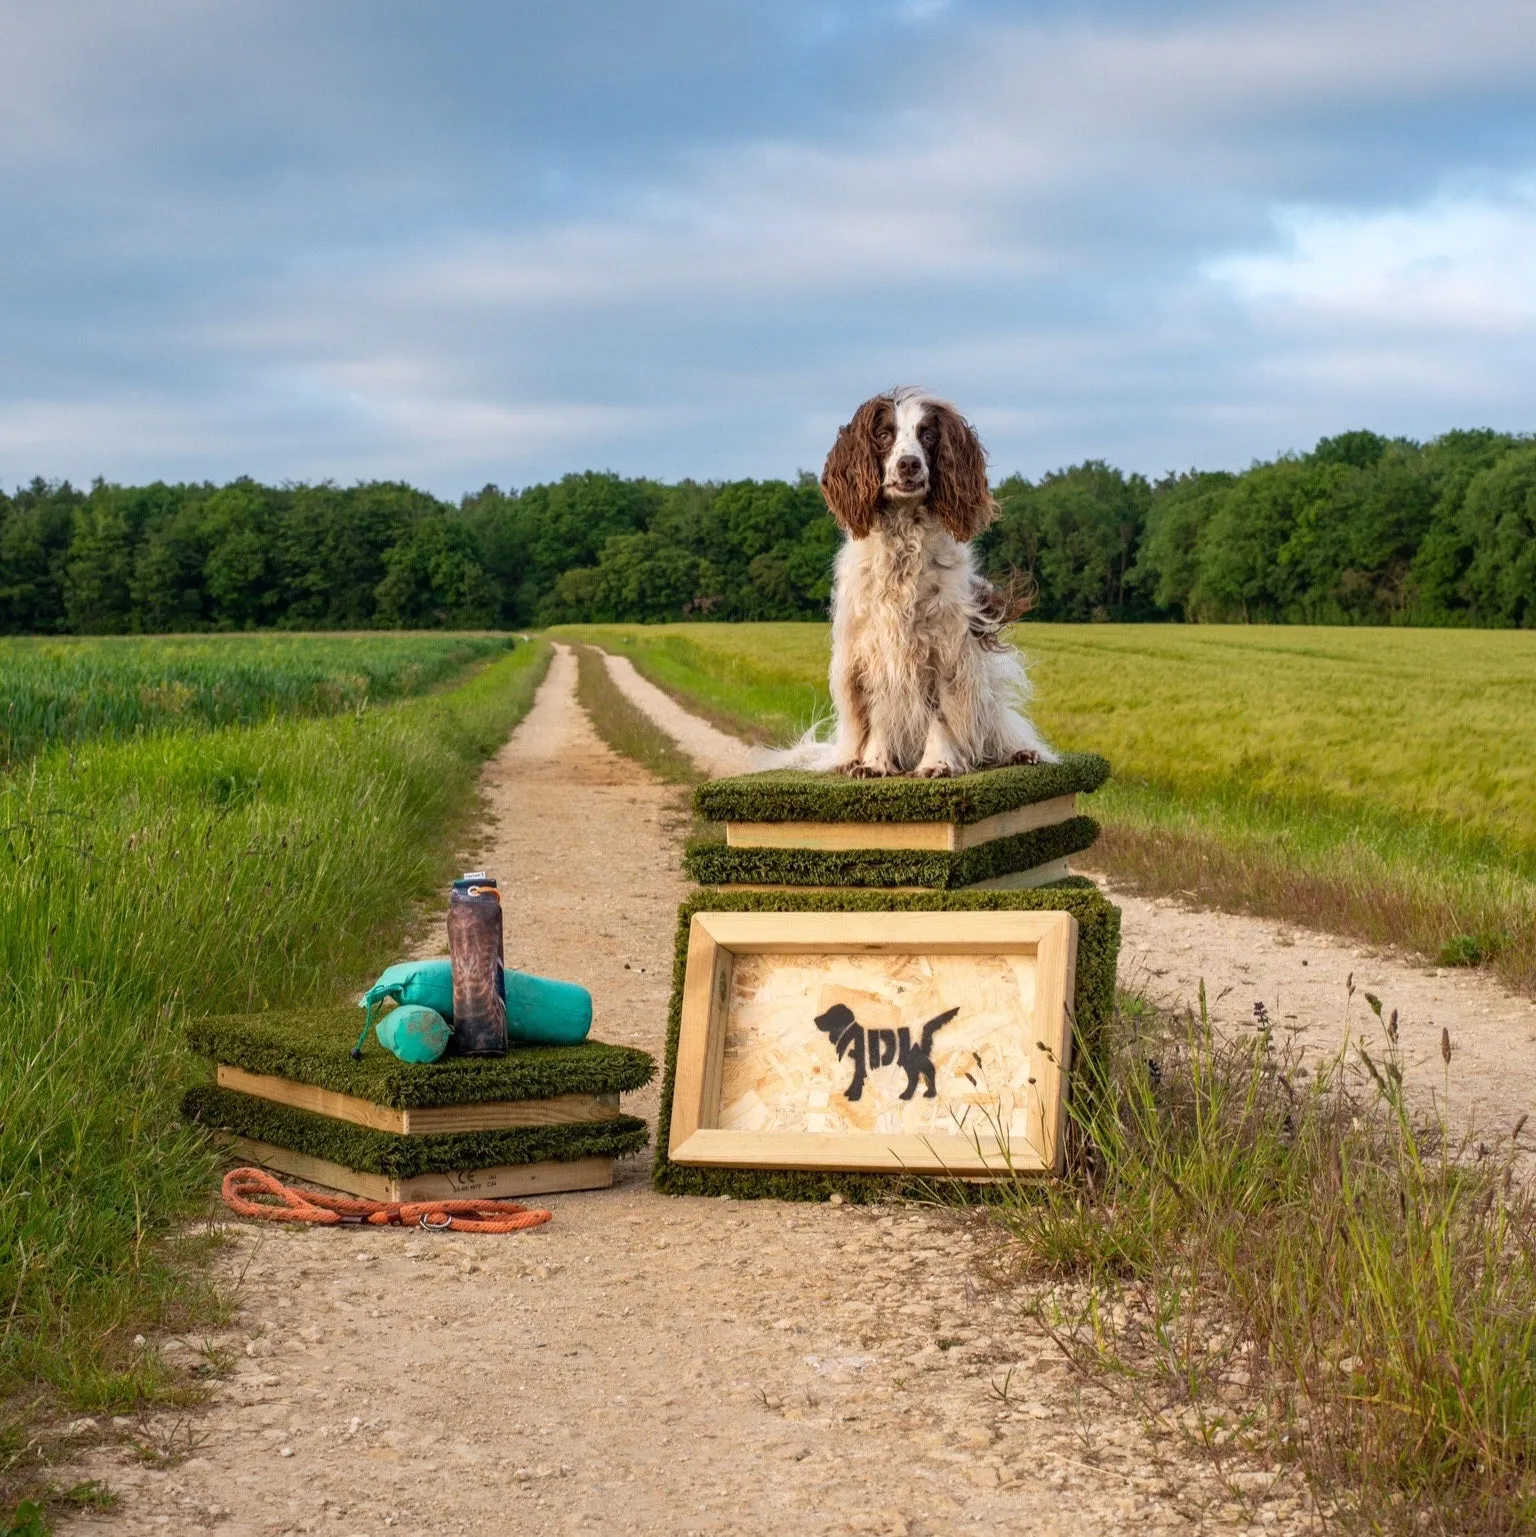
x=909, y=466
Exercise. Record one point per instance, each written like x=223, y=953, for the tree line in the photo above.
x=1361, y=530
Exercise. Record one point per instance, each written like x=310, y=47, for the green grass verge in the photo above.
x=75, y=690
x=174, y=876
x=1098, y=949
x=382, y=1152
x=314, y=1046
x=1285, y=1263
x=625, y=727
x=710, y=861
x=1376, y=783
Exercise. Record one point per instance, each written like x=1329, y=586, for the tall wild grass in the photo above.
x=54, y=691
x=1283, y=1253
x=150, y=880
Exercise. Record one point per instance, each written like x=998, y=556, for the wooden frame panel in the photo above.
x=488, y=1115
x=933, y=837
x=716, y=940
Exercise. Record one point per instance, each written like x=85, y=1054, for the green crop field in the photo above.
x=1376, y=782
x=186, y=872
x=70, y=690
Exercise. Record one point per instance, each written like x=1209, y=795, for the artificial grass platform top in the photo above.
x=712, y=862
x=314, y=1046
x=383, y=1152
x=795, y=795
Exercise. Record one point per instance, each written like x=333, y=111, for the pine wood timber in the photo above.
x=706, y=989
x=858, y=1153
x=496, y=1183
x=1038, y=1046
x=489, y=1115
x=941, y=837
x=1023, y=880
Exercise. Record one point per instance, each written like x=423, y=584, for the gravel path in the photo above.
x=716, y=752
x=642, y=1364
x=1302, y=978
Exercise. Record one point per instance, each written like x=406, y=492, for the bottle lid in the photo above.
x=476, y=880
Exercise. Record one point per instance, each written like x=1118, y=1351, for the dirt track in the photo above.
x=1302, y=978
x=644, y=1364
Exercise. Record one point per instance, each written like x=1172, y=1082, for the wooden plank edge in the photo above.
x=498, y=1182
x=479, y=1115
x=858, y=1153
x=928, y=837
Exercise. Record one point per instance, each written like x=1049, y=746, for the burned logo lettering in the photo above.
x=871, y=1050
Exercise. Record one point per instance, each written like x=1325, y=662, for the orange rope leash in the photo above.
x=255, y=1193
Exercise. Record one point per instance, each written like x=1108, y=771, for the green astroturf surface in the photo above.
x=1098, y=949
x=383, y=1152
x=314, y=1045
x=711, y=862
x=794, y=795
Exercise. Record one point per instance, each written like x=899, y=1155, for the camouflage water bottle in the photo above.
x=474, y=942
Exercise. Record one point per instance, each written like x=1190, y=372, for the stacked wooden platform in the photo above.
x=787, y=842
x=286, y=1094
x=999, y=830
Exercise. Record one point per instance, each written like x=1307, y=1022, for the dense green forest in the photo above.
x=1362, y=530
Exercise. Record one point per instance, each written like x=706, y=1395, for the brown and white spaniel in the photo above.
x=922, y=681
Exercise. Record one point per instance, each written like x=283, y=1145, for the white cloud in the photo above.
x=1465, y=261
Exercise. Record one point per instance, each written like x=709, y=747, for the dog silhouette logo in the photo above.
x=871, y=1050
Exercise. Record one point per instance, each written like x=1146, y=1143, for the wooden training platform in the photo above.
x=286, y=1093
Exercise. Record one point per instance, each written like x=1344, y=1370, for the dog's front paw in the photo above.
x=1025, y=755
x=871, y=766
x=935, y=771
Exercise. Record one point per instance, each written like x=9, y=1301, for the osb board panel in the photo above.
x=932, y=1045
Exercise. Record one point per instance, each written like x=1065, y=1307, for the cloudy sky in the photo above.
x=468, y=242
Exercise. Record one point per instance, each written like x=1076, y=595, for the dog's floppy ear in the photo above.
x=854, y=471
x=958, y=492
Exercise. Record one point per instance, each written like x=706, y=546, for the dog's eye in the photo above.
x=928, y=434
x=883, y=436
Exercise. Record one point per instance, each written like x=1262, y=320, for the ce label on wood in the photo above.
x=935, y=1043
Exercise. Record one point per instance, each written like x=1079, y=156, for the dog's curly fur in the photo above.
x=922, y=680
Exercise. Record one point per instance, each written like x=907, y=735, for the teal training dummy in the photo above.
x=414, y=1033
x=540, y=1010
